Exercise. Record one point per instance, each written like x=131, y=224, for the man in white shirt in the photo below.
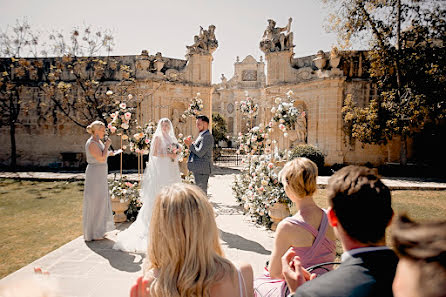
x=360, y=210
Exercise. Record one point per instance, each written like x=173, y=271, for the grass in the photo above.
x=418, y=205
x=36, y=218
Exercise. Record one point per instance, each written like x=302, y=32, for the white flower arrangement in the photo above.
x=256, y=142
x=248, y=108
x=194, y=108
x=124, y=190
x=141, y=140
x=258, y=188
x=120, y=120
x=285, y=113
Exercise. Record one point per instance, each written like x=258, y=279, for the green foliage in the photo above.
x=219, y=129
x=309, y=152
x=407, y=65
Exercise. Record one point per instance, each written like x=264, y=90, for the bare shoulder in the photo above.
x=297, y=235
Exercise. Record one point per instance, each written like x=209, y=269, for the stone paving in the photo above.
x=94, y=269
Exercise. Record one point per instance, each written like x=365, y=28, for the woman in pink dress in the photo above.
x=307, y=232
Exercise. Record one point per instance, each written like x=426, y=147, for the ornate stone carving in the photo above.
x=274, y=40
x=230, y=108
x=158, y=62
x=301, y=125
x=304, y=73
x=249, y=75
x=320, y=61
x=176, y=123
x=205, y=42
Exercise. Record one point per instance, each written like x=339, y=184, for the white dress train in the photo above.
x=160, y=172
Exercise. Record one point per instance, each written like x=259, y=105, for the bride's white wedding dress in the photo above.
x=161, y=171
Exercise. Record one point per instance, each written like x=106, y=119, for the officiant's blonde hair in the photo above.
x=184, y=244
x=94, y=126
x=299, y=175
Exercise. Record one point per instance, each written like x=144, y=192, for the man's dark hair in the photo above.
x=361, y=202
x=425, y=245
x=203, y=118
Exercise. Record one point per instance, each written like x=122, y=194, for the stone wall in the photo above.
x=320, y=83
x=162, y=87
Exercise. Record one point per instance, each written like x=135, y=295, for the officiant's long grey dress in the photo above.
x=97, y=212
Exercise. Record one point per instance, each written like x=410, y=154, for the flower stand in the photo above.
x=119, y=208
x=278, y=211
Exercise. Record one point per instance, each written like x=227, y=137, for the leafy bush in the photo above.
x=309, y=152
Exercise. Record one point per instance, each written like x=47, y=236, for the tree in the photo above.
x=219, y=128
x=17, y=78
x=406, y=64
x=77, y=82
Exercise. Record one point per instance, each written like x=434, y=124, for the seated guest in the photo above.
x=421, y=270
x=360, y=210
x=184, y=256
x=307, y=232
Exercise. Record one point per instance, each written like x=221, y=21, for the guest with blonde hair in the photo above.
x=97, y=215
x=184, y=256
x=308, y=232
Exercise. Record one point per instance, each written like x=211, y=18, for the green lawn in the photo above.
x=36, y=218
x=418, y=205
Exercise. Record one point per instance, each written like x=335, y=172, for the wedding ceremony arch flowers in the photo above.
x=142, y=138
x=248, y=107
x=258, y=188
x=285, y=114
x=257, y=141
x=121, y=120
x=194, y=108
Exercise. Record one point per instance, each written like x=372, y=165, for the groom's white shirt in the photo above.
x=200, y=134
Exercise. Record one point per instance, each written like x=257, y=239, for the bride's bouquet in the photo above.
x=174, y=148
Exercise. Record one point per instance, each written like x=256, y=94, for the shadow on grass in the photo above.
x=237, y=242
x=122, y=261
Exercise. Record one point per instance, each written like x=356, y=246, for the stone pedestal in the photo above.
x=278, y=212
x=279, y=67
x=119, y=207
x=199, y=69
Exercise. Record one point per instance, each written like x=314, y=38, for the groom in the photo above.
x=200, y=158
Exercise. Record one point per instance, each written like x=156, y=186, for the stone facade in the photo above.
x=319, y=82
x=163, y=87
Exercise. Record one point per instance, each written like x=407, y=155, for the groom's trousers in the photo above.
x=201, y=180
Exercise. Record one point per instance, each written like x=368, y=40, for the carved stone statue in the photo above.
x=274, y=40
x=224, y=81
x=176, y=123
x=301, y=128
x=204, y=43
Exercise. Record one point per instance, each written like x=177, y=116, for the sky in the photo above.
x=167, y=26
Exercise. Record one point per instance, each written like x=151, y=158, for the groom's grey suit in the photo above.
x=200, y=159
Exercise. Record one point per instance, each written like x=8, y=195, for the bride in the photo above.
x=162, y=170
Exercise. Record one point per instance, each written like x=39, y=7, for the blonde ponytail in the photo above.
x=94, y=126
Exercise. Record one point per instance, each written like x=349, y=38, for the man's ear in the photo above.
x=332, y=218
x=391, y=219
